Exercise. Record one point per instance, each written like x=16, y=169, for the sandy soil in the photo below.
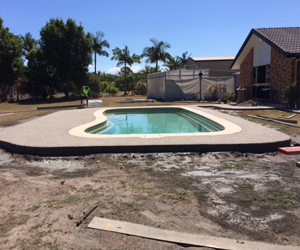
x=238, y=196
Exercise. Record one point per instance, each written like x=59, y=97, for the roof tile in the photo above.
x=285, y=39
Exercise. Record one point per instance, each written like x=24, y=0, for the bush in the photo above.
x=94, y=83
x=291, y=95
x=112, y=90
x=140, y=89
x=104, y=85
x=229, y=96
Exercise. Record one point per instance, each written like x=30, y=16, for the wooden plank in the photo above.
x=291, y=116
x=289, y=150
x=183, y=238
x=280, y=119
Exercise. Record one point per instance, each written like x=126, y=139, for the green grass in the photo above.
x=282, y=198
x=12, y=221
x=236, y=165
x=72, y=199
x=33, y=208
x=69, y=200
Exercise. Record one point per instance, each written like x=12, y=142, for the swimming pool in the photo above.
x=153, y=121
x=84, y=130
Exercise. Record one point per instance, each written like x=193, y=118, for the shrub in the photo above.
x=229, y=96
x=112, y=90
x=291, y=93
x=140, y=89
x=213, y=89
x=104, y=85
x=94, y=83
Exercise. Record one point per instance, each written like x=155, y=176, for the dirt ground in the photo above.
x=224, y=194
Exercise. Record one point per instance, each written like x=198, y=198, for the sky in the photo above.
x=202, y=28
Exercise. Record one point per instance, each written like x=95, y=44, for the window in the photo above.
x=261, y=74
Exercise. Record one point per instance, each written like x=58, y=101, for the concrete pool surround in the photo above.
x=100, y=118
x=62, y=134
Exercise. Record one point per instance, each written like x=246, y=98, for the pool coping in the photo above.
x=49, y=136
x=229, y=127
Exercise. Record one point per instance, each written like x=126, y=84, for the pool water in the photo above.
x=154, y=121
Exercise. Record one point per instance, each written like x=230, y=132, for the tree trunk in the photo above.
x=66, y=90
x=95, y=63
x=125, y=92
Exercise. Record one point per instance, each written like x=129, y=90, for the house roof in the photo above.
x=285, y=40
x=213, y=58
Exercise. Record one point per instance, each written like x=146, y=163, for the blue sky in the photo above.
x=203, y=28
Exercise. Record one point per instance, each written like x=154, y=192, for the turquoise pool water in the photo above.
x=153, y=121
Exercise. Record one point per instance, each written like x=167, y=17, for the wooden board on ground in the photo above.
x=182, y=238
x=280, y=119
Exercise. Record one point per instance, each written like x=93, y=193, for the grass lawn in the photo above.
x=13, y=113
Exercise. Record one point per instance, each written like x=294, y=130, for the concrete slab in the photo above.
x=179, y=237
x=49, y=136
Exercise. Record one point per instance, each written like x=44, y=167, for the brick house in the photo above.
x=268, y=61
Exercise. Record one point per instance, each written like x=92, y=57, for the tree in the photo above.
x=67, y=50
x=94, y=83
x=184, y=58
x=41, y=77
x=11, y=63
x=157, y=52
x=174, y=63
x=147, y=70
x=123, y=57
x=29, y=43
x=98, y=44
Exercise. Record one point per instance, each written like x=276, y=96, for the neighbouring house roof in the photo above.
x=285, y=40
x=212, y=58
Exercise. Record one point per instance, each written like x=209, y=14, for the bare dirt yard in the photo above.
x=239, y=196
x=224, y=194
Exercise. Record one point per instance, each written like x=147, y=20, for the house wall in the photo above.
x=246, y=74
x=262, y=54
x=282, y=73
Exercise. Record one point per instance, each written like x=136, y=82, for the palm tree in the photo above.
x=184, y=58
x=29, y=43
x=123, y=57
x=147, y=70
x=174, y=63
x=157, y=52
x=97, y=44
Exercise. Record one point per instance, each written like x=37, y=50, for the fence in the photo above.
x=186, y=84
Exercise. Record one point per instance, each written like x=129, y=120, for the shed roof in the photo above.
x=285, y=40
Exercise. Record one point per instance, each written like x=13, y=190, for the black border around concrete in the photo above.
x=76, y=151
